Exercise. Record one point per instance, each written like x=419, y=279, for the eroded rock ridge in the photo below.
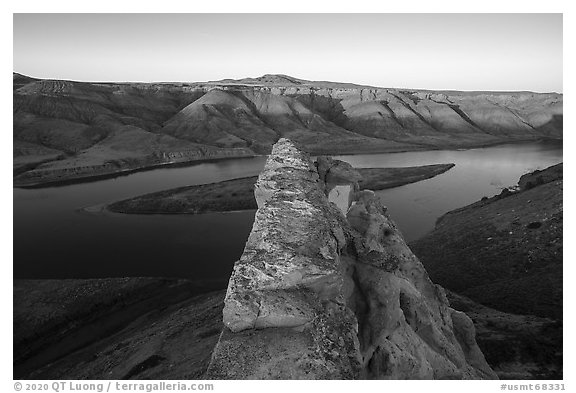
x=65, y=130
x=333, y=292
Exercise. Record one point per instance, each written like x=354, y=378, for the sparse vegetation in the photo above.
x=505, y=252
x=238, y=194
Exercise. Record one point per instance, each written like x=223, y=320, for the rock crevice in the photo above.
x=331, y=292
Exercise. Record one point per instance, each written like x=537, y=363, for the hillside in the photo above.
x=116, y=328
x=504, y=252
x=515, y=346
x=78, y=129
x=175, y=324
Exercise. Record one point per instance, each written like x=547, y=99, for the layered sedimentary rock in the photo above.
x=323, y=292
x=98, y=128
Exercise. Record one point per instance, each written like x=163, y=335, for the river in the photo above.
x=55, y=238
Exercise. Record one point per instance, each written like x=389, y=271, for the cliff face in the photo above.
x=256, y=113
x=323, y=291
x=95, y=128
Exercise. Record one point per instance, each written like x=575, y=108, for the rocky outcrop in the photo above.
x=539, y=177
x=321, y=293
x=285, y=298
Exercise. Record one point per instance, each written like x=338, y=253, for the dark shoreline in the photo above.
x=471, y=146
x=125, y=172
x=106, y=324
x=237, y=194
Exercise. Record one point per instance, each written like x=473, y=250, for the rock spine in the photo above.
x=323, y=292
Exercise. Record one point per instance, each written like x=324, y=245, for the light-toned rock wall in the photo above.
x=317, y=295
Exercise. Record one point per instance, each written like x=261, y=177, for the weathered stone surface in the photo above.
x=341, y=196
x=406, y=324
x=320, y=295
x=333, y=171
x=284, y=310
x=339, y=180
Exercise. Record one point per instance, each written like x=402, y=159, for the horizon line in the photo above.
x=292, y=77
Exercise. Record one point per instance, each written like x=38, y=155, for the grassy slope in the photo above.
x=515, y=346
x=504, y=252
x=146, y=328
x=230, y=195
x=130, y=328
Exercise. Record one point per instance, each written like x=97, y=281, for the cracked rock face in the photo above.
x=407, y=329
x=317, y=295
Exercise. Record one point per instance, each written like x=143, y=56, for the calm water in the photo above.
x=53, y=238
x=478, y=172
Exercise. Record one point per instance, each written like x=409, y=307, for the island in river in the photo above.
x=151, y=328
x=66, y=130
x=126, y=328
x=238, y=194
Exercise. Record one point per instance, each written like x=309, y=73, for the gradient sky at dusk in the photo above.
x=429, y=51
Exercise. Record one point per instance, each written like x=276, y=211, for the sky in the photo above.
x=421, y=51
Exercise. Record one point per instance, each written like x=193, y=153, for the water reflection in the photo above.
x=52, y=239
x=478, y=172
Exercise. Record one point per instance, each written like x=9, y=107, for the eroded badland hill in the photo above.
x=68, y=130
